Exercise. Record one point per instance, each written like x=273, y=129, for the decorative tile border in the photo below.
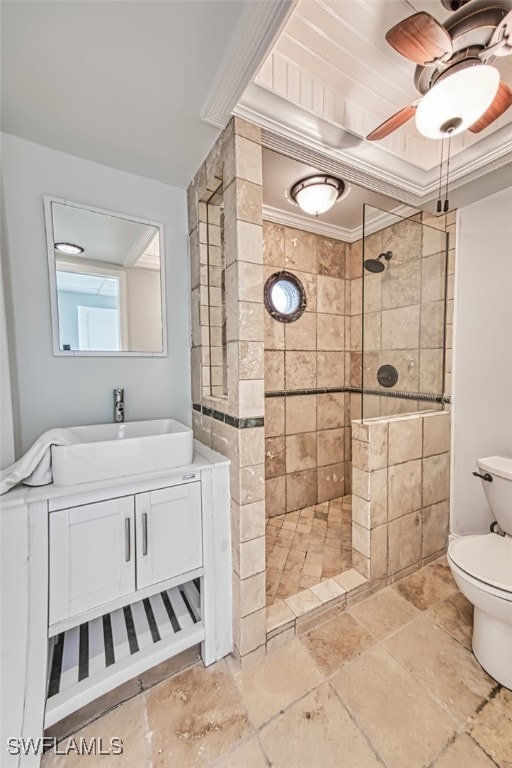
x=398, y=394
x=232, y=421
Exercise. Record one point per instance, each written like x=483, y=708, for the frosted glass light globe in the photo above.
x=457, y=101
x=316, y=194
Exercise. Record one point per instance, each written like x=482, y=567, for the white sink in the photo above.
x=106, y=451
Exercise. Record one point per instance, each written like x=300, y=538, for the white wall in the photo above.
x=56, y=391
x=482, y=385
x=6, y=411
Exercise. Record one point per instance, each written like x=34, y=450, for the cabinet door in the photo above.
x=91, y=556
x=168, y=533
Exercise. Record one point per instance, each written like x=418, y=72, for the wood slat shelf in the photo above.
x=91, y=659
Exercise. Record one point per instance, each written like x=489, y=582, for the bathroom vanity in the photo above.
x=104, y=580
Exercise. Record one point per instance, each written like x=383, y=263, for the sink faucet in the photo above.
x=118, y=405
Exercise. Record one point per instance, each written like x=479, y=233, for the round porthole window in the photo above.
x=285, y=298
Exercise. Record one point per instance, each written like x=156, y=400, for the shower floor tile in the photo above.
x=307, y=546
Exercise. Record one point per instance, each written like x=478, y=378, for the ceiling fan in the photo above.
x=459, y=86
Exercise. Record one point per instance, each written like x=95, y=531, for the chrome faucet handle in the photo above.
x=118, y=405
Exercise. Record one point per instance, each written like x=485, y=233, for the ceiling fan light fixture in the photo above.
x=457, y=101
x=316, y=194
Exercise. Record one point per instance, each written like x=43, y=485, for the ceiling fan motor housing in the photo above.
x=454, y=5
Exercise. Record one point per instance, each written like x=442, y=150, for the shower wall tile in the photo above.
x=436, y=434
x=330, y=482
x=300, y=452
x=405, y=440
x=300, y=414
x=401, y=285
x=400, y=328
x=404, y=491
x=330, y=332
x=274, y=416
x=372, y=332
x=274, y=370
x=274, y=333
x=373, y=292
x=300, y=370
x=275, y=457
x=330, y=295
x=301, y=489
x=275, y=496
x=404, y=505
x=330, y=369
x=432, y=325
x=301, y=334
x=330, y=446
x=330, y=410
x=331, y=255
x=402, y=239
x=300, y=250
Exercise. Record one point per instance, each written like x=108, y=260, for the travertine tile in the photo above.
x=447, y=670
x=279, y=615
x=301, y=334
x=378, y=437
x=275, y=496
x=330, y=256
x=274, y=416
x=317, y=731
x=384, y=613
x=330, y=332
x=404, y=542
x=405, y=440
x=402, y=721
x=301, y=489
x=350, y=580
x=330, y=446
x=275, y=465
x=464, y=753
x=428, y=586
x=492, y=728
x=274, y=370
x=126, y=722
x=330, y=369
x=187, y=724
x=300, y=250
x=404, y=489
x=436, y=434
x=455, y=616
x=401, y=328
x=436, y=479
x=330, y=410
x=300, y=452
x=300, y=414
x=300, y=370
x=328, y=590
x=247, y=755
x=435, y=522
x=330, y=295
x=330, y=482
x=336, y=642
x=303, y=602
x=280, y=678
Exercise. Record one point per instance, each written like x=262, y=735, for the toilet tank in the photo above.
x=499, y=491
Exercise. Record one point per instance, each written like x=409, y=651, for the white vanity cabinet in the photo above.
x=91, y=558
x=113, y=577
x=168, y=532
x=102, y=551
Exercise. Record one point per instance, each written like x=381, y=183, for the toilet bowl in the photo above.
x=482, y=568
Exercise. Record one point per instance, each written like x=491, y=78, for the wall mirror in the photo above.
x=107, y=281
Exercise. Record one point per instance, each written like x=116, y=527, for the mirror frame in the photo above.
x=54, y=308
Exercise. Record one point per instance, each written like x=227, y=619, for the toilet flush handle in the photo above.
x=486, y=476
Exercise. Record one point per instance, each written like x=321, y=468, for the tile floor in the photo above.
x=389, y=682
x=308, y=546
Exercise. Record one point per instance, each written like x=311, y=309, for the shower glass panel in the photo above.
x=403, y=317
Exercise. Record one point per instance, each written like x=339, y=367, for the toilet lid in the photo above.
x=487, y=558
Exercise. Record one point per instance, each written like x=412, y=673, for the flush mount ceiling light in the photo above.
x=457, y=101
x=70, y=248
x=316, y=194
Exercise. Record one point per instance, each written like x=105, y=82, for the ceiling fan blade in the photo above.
x=503, y=30
x=392, y=123
x=420, y=38
x=502, y=101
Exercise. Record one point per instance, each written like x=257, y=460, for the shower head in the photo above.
x=376, y=265
x=372, y=265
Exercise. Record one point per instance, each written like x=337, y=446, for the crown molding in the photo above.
x=312, y=224
x=293, y=131
x=258, y=28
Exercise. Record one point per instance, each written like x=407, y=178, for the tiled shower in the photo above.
x=280, y=400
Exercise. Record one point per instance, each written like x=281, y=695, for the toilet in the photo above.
x=482, y=567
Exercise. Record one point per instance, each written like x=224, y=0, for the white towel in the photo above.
x=35, y=467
